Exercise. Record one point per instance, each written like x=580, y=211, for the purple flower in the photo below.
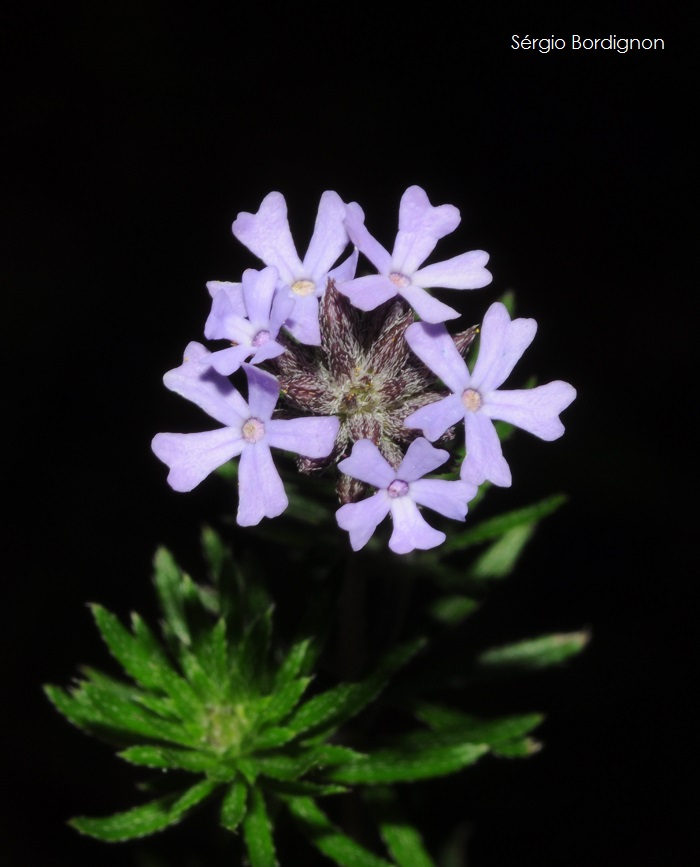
x=234, y=291
x=254, y=333
x=399, y=493
x=249, y=431
x=476, y=398
x=267, y=234
x=420, y=228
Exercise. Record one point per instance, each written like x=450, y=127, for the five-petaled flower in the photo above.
x=420, y=228
x=249, y=431
x=476, y=396
x=399, y=493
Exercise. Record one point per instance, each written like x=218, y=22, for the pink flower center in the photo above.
x=398, y=488
x=253, y=430
x=261, y=338
x=471, y=399
x=303, y=287
x=401, y=281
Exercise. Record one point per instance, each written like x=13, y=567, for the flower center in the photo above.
x=401, y=281
x=260, y=338
x=253, y=430
x=471, y=399
x=303, y=287
x=398, y=488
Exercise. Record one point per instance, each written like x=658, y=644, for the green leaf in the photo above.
x=145, y=819
x=257, y=832
x=452, y=610
x=501, y=557
x=337, y=705
x=495, y=527
x=451, y=727
x=233, y=805
x=270, y=739
x=283, y=701
x=173, y=587
x=400, y=766
x=252, y=654
x=520, y=748
x=328, y=839
x=163, y=757
x=535, y=653
x=403, y=841
x=294, y=663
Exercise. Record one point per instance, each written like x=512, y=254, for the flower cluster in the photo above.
x=355, y=372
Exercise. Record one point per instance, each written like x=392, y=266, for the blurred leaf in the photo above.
x=501, y=557
x=535, y=653
x=330, y=840
x=257, y=832
x=403, y=841
x=452, y=610
x=145, y=819
x=233, y=805
x=405, y=765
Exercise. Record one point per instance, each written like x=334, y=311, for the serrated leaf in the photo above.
x=283, y=701
x=164, y=757
x=257, y=832
x=294, y=663
x=535, y=653
x=452, y=727
x=328, y=839
x=233, y=806
x=346, y=700
x=271, y=738
x=145, y=819
x=252, y=654
x=400, y=766
x=212, y=653
x=496, y=527
x=403, y=841
x=170, y=584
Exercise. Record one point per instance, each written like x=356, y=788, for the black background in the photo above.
x=137, y=132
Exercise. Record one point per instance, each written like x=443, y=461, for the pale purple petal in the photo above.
x=313, y=437
x=263, y=391
x=234, y=292
x=260, y=489
x=303, y=320
x=427, y=307
x=420, y=458
x=420, y=228
x=258, y=289
x=535, y=410
x=192, y=457
x=267, y=235
x=361, y=519
x=484, y=458
x=197, y=381
x=271, y=349
x=347, y=268
x=367, y=464
x=361, y=238
x=225, y=323
x=330, y=237
x=449, y=498
x=436, y=349
x=501, y=345
x=434, y=418
x=466, y=271
x=368, y=292
x=411, y=530
x=282, y=306
x=227, y=361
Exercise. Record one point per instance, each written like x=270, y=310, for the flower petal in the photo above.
x=260, y=489
x=197, y=381
x=303, y=322
x=263, y=392
x=420, y=458
x=466, y=271
x=329, y=239
x=368, y=292
x=313, y=437
x=411, y=530
x=267, y=235
x=347, y=268
x=366, y=244
x=434, y=418
x=484, y=458
x=427, y=307
x=535, y=410
x=449, y=498
x=367, y=464
x=227, y=361
x=436, y=349
x=258, y=289
x=224, y=323
x=420, y=228
x=361, y=519
x=501, y=345
x=192, y=457
x=234, y=292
